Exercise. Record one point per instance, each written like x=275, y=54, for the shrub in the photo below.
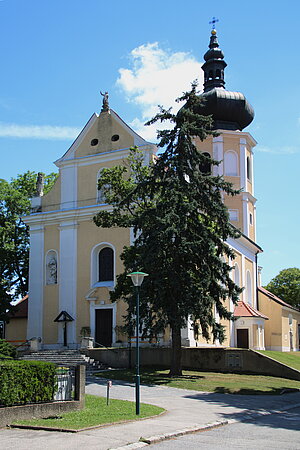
x=7, y=349
x=26, y=382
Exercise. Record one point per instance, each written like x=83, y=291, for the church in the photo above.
x=73, y=263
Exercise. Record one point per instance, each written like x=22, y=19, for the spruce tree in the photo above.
x=181, y=224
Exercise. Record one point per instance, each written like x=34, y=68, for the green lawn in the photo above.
x=96, y=412
x=208, y=381
x=291, y=359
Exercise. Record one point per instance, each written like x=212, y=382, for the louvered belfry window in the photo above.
x=106, y=264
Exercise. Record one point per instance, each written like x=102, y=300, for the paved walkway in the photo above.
x=185, y=409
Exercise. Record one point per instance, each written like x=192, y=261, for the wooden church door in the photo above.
x=103, y=333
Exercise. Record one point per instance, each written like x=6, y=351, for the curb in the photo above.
x=161, y=437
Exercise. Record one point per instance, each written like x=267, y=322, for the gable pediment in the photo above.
x=103, y=133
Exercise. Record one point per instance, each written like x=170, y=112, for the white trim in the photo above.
x=68, y=277
x=36, y=282
x=95, y=266
x=245, y=216
x=243, y=165
x=93, y=308
x=243, y=278
x=218, y=155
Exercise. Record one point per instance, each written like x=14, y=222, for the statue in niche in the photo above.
x=105, y=105
x=39, y=190
x=52, y=270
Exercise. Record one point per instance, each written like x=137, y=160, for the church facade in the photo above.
x=73, y=263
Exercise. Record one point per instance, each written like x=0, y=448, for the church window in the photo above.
x=115, y=137
x=106, y=264
x=251, y=219
x=205, y=167
x=231, y=163
x=248, y=168
x=94, y=142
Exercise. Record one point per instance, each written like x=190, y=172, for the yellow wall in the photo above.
x=15, y=330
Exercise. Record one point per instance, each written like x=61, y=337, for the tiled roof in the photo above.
x=277, y=299
x=245, y=310
x=21, y=310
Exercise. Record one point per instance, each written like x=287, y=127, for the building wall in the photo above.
x=15, y=330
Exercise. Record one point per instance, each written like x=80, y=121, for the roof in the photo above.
x=245, y=310
x=277, y=299
x=21, y=310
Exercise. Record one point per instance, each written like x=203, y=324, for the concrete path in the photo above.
x=185, y=409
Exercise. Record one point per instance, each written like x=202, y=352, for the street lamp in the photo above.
x=137, y=278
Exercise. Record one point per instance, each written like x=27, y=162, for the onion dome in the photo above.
x=230, y=110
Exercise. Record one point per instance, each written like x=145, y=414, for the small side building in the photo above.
x=16, y=328
x=282, y=330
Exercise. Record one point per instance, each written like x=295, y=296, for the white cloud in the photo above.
x=38, y=131
x=157, y=77
x=285, y=150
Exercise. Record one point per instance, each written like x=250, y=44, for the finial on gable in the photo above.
x=105, y=104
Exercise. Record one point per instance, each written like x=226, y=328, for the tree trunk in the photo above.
x=176, y=369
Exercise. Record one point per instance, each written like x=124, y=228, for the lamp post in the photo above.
x=137, y=279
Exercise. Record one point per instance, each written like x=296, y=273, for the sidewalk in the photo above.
x=185, y=409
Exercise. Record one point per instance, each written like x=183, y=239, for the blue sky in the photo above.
x=56, y=55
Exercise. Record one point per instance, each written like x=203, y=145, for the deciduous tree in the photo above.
x=286, y=285
x=14, y=249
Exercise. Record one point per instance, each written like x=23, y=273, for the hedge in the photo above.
x=24, y=382
x=7, y=349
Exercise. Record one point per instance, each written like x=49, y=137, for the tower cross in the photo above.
x=213, y=22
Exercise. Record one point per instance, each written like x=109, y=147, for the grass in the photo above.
x=208, y=381
x=291, y=359
x=95, y=413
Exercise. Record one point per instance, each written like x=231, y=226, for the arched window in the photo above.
x=248, y=168
x=106, y=265
x=205, y=167
x=249, y=288
x=231, y=163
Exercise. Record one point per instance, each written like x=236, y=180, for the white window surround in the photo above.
x=95, y=266
x=231, y=163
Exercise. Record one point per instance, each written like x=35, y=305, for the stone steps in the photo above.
x=68, y=358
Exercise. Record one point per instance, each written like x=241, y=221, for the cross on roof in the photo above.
x=213, y=22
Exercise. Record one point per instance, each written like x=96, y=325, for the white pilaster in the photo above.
x=68, y=186
x=67, y=277
x=36, y=282
x=245, y=215
x=243, y=275
x=243, y=164
x=218, y=155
